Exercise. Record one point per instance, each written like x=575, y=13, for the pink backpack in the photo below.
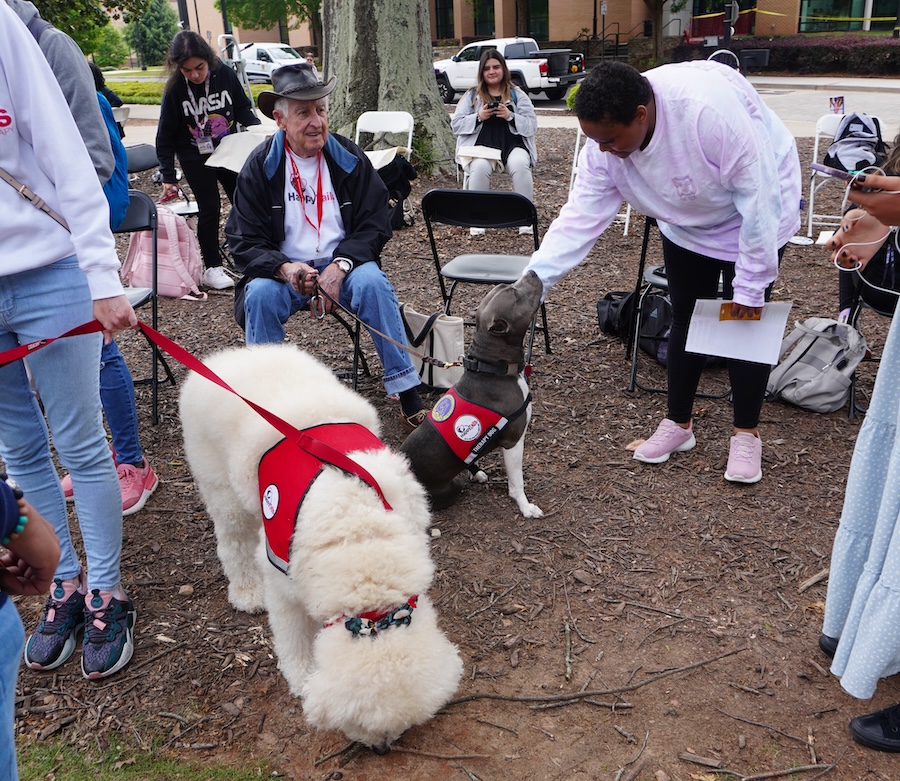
x=179, y=264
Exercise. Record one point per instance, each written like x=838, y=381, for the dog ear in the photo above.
x=498, y=326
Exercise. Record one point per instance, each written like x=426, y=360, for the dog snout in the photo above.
x=382, y=748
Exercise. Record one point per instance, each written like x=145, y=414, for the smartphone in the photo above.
x=847, y=176
x=493, y=104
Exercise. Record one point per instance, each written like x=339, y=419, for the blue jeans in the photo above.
x=12, y=645
x=34, y=305
x=366, y=291
x=117, y=398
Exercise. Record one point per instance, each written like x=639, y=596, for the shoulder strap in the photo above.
x=33, y=198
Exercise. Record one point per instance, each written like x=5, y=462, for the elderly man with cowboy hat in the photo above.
x=310, y=210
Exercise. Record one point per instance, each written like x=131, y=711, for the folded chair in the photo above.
x=387, y=122
x=141, y=216
x=480, y=209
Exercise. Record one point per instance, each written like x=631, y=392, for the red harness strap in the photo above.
x=287, y=472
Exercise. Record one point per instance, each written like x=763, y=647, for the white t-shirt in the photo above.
x=305, y=238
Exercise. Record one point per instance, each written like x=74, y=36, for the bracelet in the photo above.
x=23, y=519
x=14, y=535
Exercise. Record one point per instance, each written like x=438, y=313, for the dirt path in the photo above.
x=677, y=613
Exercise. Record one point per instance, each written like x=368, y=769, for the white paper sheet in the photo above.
x=748, y=340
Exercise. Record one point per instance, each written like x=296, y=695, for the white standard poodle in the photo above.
x=354, y=631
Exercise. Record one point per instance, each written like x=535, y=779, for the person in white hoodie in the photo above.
x=693, y=146
x=51, y=280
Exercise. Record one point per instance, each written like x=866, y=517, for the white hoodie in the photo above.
x=721, y=175
x=41, y=147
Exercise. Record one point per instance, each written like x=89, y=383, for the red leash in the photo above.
x=304, y=441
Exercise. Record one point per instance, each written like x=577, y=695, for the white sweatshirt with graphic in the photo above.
x=41, y=147
x=721, y=175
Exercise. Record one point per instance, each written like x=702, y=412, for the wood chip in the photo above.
x=698, y=760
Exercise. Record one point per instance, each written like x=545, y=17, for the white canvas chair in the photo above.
x=120, y=114
x=623, y=216
x=826, y=127
x=387, y=122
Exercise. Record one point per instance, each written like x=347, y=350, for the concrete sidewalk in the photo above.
x=798, y=100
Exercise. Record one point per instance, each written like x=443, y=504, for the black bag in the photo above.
x=616, y=310
x=397, y=176
x=614, y=313
x=656, y=322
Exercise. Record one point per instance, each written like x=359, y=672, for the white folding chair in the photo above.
x=384, y=122
x=120, y=114
x=826, y=127
x=622, y=216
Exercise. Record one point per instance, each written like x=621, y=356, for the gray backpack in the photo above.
x=818, y=359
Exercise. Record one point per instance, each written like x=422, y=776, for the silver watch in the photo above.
x=344, y=265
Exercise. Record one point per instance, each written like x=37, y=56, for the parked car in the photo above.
x=263, y=58
x=550, y=71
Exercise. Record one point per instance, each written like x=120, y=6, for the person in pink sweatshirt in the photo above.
x=693, y=146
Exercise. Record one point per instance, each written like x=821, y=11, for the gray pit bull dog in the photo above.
x=489, y=407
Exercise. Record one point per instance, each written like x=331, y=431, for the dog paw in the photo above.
x=478, y=477
x=531, y=510
x=246, y=600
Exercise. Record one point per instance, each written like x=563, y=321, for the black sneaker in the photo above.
x=108, y=634
x=880, y=730
x=57, y=635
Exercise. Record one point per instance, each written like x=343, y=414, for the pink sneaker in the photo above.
x=744, y=459
x=137, y=484
x=669, y=438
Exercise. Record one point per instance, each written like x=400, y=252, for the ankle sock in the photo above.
x=411, y=401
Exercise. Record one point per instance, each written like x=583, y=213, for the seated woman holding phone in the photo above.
x=494, y=124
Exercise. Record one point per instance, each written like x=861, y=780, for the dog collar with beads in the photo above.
x=374, y=621
x=467, y=427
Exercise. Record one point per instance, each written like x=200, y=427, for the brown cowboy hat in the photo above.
x=295, y=81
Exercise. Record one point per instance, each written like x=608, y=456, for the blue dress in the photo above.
x=862, y=607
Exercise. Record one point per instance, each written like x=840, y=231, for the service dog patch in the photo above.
x=286, y=473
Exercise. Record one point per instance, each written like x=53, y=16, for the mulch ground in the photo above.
x=677, y=612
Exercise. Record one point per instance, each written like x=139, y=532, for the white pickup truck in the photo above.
x=534, y=70
x=263, y=58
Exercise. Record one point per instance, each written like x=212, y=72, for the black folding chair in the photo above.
x=650, y=279
x=481, y=209
x=141, y=216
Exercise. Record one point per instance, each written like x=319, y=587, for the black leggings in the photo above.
x=204, y=182
x=692, y=276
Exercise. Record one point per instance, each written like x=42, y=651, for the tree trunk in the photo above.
x=380, y=52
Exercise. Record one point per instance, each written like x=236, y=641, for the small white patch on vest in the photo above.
x=270, y=501
x=467, y=428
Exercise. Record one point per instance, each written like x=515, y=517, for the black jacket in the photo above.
x=255, y=227
x=228, y=104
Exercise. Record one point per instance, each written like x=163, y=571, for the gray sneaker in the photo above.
x=57, y=635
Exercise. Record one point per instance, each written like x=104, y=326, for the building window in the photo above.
x=443, y=19
x=483, y=15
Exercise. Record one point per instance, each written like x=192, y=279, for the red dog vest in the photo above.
x=465, y=426
x=286, y=473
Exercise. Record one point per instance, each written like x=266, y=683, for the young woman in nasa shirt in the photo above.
x=203, y=102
